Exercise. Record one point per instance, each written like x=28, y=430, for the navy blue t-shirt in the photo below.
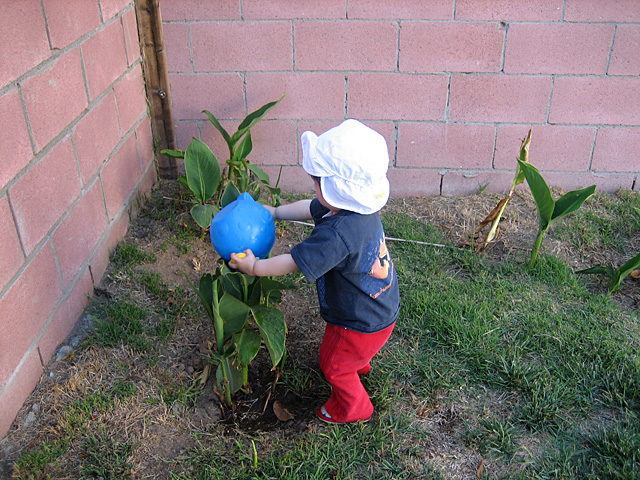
x=346, y=255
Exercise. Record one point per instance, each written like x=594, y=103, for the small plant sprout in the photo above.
x=550, y=211
x=616, y=275
x=494, y=217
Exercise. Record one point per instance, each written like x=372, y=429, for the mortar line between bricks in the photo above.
x=23, y=250
x=75, y=156
x=85, y=77
x=395, y=146
x=27, y=120
x=293, y=46
x=190, y=48
x=548, y=112
x=405, y=72
x=49, y=238
x=504, y=46
x=397, y=69
x=613, y=39
x=46, y=24
x=495, y=144
x=593, y=148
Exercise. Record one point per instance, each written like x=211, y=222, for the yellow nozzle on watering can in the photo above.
x=239, y=255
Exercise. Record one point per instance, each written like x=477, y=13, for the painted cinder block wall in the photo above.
x=453, y=85
x=76, y=149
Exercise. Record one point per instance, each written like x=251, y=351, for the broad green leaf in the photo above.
x=597, y=270
x=247, y=344
x=629, y=266
x=261, y=174
x=614, y=282
x=272, y=290
x=173, y=153
x=205, y=292
x=571, y=201
x=622, y=272
x=541, y=193
x=234, y=313
x=274, y=190
x=273, y=329
x=234, y=284
x=234, y=375
x=219, y=127
x=269, y=285
x=243, y=150
x=255, y=292
x=203, y=214
x=229, y=195
x=203, y=171
x=251, y=119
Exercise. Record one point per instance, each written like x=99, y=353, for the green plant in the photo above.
x=495, y=215
x=616, y=275
x=243, y=176
x=550, y=211
x=212, y=191
x=240, y=309
x=202, y=179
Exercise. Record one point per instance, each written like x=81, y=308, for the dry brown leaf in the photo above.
x=196, y=264
x=635, y=274
x=480, y=470
x=203, y=376
x=282, y=413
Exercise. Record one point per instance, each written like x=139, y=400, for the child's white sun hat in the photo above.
x=351, y=161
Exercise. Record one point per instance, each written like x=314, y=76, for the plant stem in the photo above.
x=245, y=376
x=225, y=384
x=218, y=322
x=536, y=247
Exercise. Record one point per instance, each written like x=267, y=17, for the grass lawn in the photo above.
x=494, y=370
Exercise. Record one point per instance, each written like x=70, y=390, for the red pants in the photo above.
x=344, y=354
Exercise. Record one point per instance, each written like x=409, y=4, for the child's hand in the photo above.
x=244, y=261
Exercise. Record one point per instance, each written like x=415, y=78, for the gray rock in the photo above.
x=63, y=352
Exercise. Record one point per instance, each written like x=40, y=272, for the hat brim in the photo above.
x=345, y=195
x=310, y=160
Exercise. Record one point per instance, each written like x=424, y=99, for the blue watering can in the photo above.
x=243, y=224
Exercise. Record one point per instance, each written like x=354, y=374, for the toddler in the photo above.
x=347, y=257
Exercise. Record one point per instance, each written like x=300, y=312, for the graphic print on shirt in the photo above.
x=376, y=267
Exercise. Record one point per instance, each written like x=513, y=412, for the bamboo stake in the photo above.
x=156, y=76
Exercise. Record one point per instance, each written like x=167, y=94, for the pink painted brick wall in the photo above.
x=452, y=85
x=77, y=148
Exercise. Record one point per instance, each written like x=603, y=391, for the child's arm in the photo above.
x=274, y=266
x=300, y=210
